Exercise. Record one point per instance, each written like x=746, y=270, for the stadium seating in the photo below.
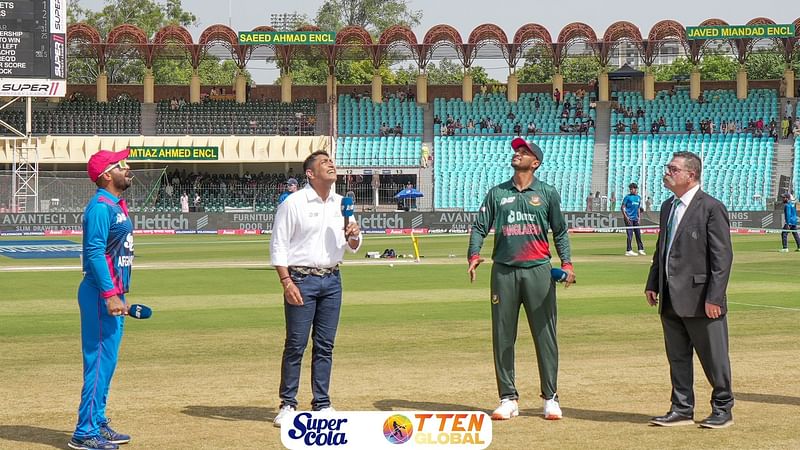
x=378, y=151
x=466, y=167
x=496, y=107
x=221, y=117
x=796, y=176
x=363, y=117
x=719, y=105
x=737, y=168
x=80, y=117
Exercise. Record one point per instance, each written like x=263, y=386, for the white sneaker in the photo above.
x=508, y=408
x=784, y=250
x=631, y=253
x=552, y=411
x=285, y=411
x=329, y=409
x=641, y=252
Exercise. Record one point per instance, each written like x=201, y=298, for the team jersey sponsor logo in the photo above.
x=495, y=299
x=121, y=217
x=517, y=216
x=507, y=200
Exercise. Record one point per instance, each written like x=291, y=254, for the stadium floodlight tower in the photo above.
x=286, y=21
x=33, y=42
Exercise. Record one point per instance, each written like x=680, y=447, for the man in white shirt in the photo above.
x=309, y=238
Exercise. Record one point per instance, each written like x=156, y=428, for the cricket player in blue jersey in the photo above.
x=631, y=206
x=790, y=223
x=107, y=263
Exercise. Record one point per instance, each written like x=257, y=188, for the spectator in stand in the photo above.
x=470, y=124
x=785, y=127
x=589, y=200
x=532, y=129
x=639, y=112
x=398, y=129
x=184, y=202
x=653, y=128
x=620, y=126
x=498, y=128
x=517, y=129
x=583, y=128
x=563, y=127
x=536, y=104
x=796, y=129
x=557, y=96
x=701, y=98
x=384, y=129
x=662, y=122
x=612, y=202
x=635, y=127
x=787, y=109
x=565, y=113
x=437, y=120
x=511, y=115
x=449, y=119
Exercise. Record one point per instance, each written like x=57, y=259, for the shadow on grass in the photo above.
x=772, y=399
x=593, y=415
x=35, y=435
x=231, y=413
x=394, y=403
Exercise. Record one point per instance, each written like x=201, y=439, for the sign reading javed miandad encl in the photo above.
x=740, y=32
x=287, y=37
x=164, y=153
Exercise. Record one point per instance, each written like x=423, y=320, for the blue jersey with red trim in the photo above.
x=107, y=244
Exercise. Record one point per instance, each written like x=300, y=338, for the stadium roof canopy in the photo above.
x=399, y=43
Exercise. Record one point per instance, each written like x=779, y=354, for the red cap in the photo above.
x=532, y=147
x=102, y=159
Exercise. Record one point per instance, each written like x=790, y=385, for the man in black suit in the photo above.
x=688, y=280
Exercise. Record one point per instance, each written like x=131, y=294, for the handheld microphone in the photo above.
x=559, y=276
x=139, y=311
x=348, y=207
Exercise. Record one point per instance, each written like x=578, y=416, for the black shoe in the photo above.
x=720, y=419
x=672, y=419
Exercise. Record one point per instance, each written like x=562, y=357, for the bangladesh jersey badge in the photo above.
x=535, y=200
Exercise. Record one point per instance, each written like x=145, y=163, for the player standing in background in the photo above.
x=107, y=264
x=790, y=223
x=631, y=207
x=521, y=210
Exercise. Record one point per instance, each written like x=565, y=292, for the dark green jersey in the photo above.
x=521, y=220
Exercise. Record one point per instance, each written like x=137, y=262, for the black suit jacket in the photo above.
x=700, y=259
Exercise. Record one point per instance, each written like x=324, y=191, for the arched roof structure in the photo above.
x=487, y=41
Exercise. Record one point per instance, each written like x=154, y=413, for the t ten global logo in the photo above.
x=457, y=429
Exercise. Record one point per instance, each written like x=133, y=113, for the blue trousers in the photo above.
x=634, y=232
x=319, y=317
x=101, y=335
x=785, y=235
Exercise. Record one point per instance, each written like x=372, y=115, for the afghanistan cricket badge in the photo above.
x=495, y=299
x=535, y=200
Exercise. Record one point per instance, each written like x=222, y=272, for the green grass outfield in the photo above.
x=203, y=372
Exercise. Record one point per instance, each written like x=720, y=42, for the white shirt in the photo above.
x=309, y=232
x=680, y=209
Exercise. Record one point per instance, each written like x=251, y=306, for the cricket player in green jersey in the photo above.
x=521, y=210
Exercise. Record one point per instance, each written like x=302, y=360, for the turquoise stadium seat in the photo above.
x=737, y=168
x=546, y=118
x=720, y=105
x=391, y=151
x=466, y=167
x=363, y=117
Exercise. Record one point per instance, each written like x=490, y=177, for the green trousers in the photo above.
x=534, y=289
